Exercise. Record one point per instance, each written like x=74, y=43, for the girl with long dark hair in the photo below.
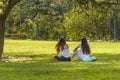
x=84, y=52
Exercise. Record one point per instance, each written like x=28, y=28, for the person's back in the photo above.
x=62, y=48
x=65, y=52
x=84, y=52
x=80, y=53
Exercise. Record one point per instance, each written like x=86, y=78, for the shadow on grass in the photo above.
x=29, y=56
x=105, y=57
x=52, y=70
x=42, y=67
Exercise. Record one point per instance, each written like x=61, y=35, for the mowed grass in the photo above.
x=33, y=60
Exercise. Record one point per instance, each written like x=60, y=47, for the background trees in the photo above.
x=49, y=19
x=46, y=15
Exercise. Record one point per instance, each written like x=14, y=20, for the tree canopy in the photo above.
x=93, y=19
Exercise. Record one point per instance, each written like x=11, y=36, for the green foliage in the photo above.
x=44, y=14
x=92, y=19
x=71, y=19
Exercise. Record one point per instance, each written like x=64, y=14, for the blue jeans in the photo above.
x=62, y=58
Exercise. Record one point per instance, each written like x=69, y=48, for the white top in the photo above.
x=80, y=54
x=65, y=52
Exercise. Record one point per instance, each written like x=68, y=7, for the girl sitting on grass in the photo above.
x=84, y=52
x=62, y=49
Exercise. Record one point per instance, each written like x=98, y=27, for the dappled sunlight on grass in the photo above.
x=34, y=60
x=70, y=70
x=32, y=57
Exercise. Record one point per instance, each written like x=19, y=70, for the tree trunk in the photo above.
x=2, y=30
x=5, y=8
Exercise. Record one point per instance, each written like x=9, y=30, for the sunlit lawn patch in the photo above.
x=33, y=60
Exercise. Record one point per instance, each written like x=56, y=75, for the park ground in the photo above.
x=33, y=60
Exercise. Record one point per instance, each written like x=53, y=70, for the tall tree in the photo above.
x=5, y=8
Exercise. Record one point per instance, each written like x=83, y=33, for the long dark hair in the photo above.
x=85, y=46
x=60, y=45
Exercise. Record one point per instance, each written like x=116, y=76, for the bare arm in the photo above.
x=76, y=48
x=72, y=56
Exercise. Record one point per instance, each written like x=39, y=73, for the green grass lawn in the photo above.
x=33, y=60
